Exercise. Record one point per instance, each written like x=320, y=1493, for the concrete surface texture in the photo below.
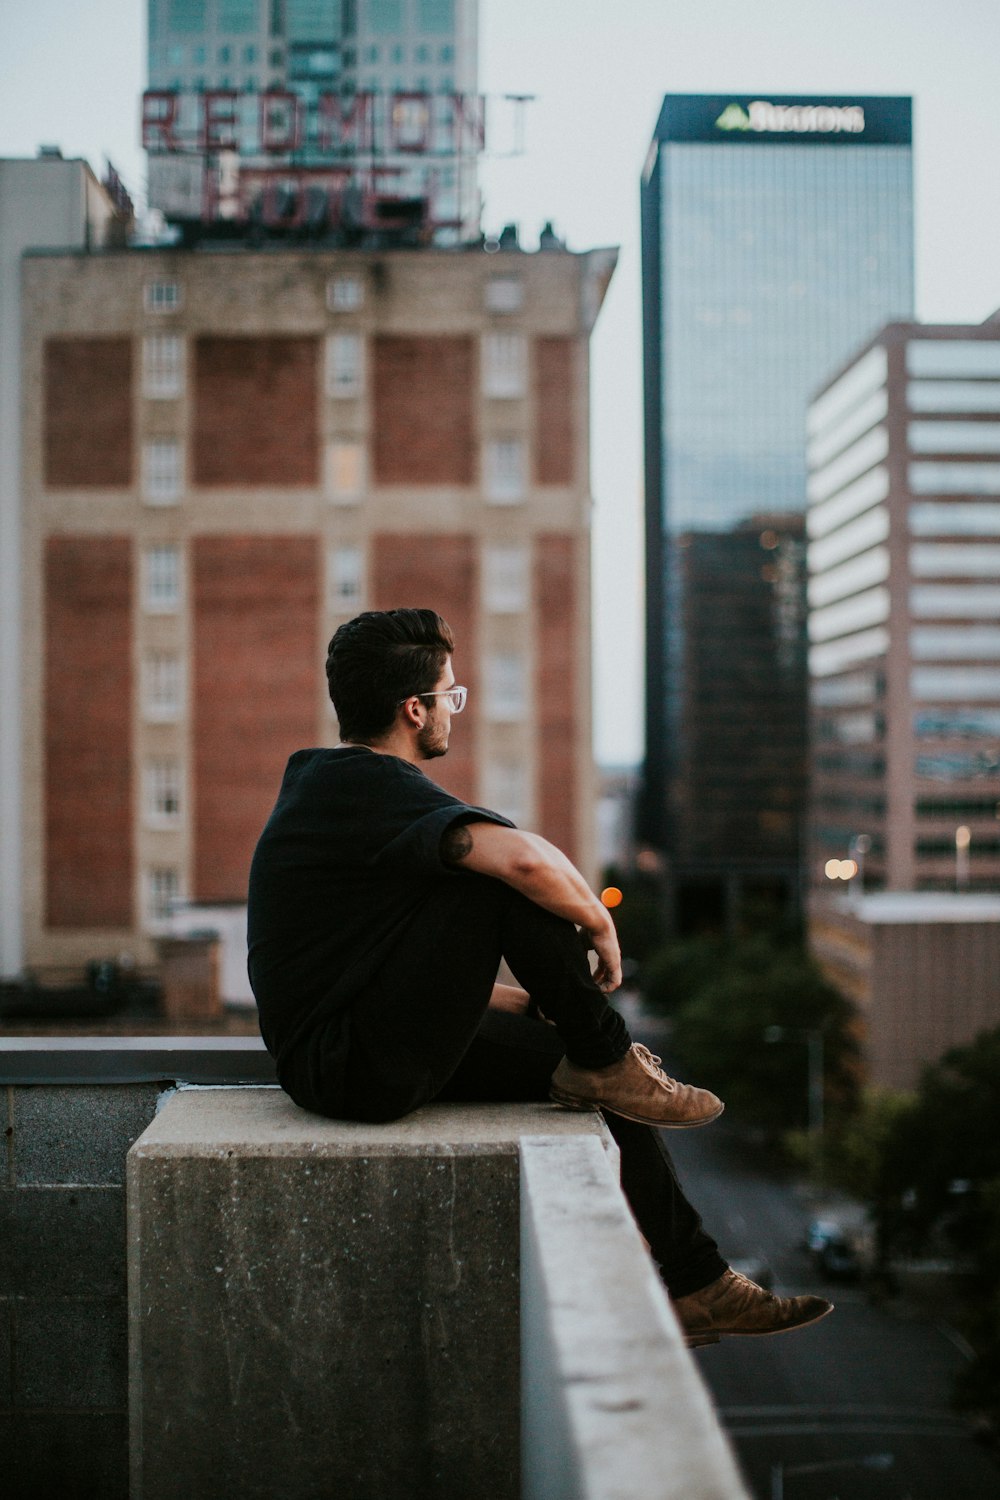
x=612, y=1406
x=321, y=1308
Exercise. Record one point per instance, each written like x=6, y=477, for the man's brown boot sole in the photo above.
x=698, y=1340
x=568, y=1102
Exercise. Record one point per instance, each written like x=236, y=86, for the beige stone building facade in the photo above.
x=226, y=453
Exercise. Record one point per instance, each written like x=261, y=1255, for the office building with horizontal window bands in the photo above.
x=226, y=455
x=904, y=612
x=776, y=234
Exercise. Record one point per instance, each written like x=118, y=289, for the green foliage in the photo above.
x=725, y=995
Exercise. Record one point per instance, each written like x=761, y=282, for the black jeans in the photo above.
x=424, y=1031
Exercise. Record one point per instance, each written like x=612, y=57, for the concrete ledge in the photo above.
x=319, y=1308
x=612, y=1406
x=134, y=1059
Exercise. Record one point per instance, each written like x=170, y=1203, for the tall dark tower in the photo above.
x=777, y=233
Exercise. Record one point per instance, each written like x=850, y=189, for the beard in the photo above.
x=432, y=740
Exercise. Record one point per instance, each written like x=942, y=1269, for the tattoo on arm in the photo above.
x=456, y=844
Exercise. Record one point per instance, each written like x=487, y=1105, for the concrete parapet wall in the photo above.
x=63, y=1332
x=321, y=1308
x=612, y=1407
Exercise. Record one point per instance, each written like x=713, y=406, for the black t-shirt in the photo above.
x=343, y=864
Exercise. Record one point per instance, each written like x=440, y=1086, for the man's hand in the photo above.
x=604, y=942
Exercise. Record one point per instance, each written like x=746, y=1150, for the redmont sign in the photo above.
x=793, y=119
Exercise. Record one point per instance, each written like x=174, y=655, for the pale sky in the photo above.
x=71, y=72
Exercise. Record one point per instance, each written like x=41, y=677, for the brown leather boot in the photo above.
x=637, y=1088
x=734, y=1305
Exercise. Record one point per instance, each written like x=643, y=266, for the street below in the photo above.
x=857, y=1407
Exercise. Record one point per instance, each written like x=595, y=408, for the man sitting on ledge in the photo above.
x=380, y=908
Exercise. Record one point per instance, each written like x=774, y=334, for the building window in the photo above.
x=345, y=472
x=162, y=793
x=161, y=296
x=163, y=892
x=506, y=687
x=345, y=293
x=505, y=789
x=436, y=16
x=505, y=578
x=504, y=294
x=162, y=581
x=505, y=365
x=385, y=17
x=161, y=471
x=343, y=365
x=505, y=470
x=162, y=366
x=345, y=579
x=161, y=687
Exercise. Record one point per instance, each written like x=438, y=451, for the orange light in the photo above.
x=611, y=896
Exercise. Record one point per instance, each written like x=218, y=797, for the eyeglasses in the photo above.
x=456, y=697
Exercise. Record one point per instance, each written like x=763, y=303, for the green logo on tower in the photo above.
x=733, y=117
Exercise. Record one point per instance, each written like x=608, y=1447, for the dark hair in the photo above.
x=379, y=658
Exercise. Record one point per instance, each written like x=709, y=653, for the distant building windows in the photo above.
x=504, y=294
x=185, y=17
x=506, y=469
x=162, y=580
x=161, y=687
x=345, y=293
x=345, y=579
x=436, y=16
x=238, y=16
x=163, y=892
x=385, y=17
x=505, y=365
x=345, y=471
x=162, y=366
x=224, y=55
x=506, y=684
x=162, y=793
x=505, y=578
x=344, y=364
x=161, y=296
x=161, y=471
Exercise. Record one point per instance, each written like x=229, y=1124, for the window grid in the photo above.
x=505, y=470
x=162, y=366
x=345, y=579
x=505, y=365
x=345, y=472
x=161, y=471
x=504, y=294
x=344, y=365
x=345, y=293
x=161, y=687
x=162, y=296
x=163, y=891
x=505, y=578
x=163, y=580
x=162, y=793
x=506, y=687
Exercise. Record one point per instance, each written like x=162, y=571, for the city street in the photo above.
x=866, y=1382
x=813, y=1415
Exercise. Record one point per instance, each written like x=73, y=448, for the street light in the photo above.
x=814, y=1042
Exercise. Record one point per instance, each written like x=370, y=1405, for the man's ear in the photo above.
x=412, y=707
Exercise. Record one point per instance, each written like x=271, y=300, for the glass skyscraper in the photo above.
x=777, y=234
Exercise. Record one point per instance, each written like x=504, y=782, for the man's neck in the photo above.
x=398, y=744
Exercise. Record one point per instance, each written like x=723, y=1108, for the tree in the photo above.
x=719, y=1034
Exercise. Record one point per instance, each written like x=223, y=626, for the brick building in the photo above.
x=225, y=454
